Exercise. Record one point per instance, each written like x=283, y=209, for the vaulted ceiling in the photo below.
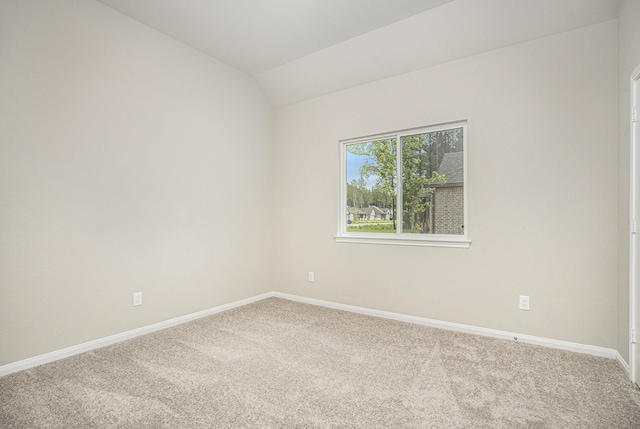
x=299, y=49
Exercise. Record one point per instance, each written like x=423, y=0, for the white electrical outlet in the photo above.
x=137, y=299
x=524, y=302
x=312, y=276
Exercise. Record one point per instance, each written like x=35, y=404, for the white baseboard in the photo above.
x=529, y=339
x=112, y=339
x=622, y=364
x=116, y=338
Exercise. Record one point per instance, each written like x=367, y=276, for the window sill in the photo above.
x=404, y=240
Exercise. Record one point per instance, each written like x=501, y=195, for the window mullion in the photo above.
x=399, y=220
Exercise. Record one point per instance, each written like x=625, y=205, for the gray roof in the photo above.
x=367, y=210
x=354, y=210
x=452, y=167
x=379, y=210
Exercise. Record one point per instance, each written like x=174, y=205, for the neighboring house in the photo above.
x=447, y=214
x=359, y=214
x=351, y=214
x=381, y=213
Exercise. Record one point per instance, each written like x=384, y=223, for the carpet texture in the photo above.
x=282, y=364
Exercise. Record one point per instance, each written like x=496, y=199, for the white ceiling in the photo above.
x=257, y=35
x=299, y=49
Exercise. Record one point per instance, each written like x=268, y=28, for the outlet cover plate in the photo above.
x=137, y=299
x=524, y=302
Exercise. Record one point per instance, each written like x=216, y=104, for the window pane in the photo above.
x=371, y=186
x=433, y=183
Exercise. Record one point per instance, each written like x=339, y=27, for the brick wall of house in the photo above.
x=449, y=210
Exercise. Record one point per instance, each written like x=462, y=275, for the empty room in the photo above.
x=319, y=213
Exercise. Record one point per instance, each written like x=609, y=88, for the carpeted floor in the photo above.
x=281, y=364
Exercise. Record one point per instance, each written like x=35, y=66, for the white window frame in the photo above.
x=401, y=238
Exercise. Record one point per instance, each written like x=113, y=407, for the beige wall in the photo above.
x=542, y=173
x=128, y=162
x=629, y=59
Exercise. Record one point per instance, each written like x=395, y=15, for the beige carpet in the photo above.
x=282, y=364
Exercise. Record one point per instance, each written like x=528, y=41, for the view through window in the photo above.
x=406, y=183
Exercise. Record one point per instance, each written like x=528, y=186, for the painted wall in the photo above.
x=542, y=175
x=128, y=162
x=629, y=59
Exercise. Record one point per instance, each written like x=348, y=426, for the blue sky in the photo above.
x=354, y=162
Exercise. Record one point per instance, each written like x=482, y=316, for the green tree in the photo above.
x=436, y=144
x=418, y=176
x=380, y=198
x=357, y=193
x=379, y=163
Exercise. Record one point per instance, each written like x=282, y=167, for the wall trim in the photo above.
x=622, y=363
x=112, y=339
x=116, y=338
x=529, y=339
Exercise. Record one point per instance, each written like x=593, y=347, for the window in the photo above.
x=406, y=187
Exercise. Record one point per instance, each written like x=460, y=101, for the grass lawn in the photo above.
x=349, y=229
x=376, y=226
